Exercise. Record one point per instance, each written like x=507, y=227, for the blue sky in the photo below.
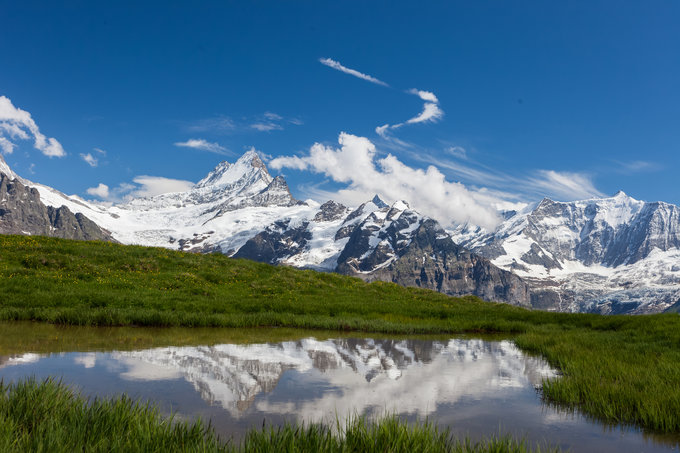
x=526, y=99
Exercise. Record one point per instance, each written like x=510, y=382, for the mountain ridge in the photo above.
x=240, y=210
x=605, y=255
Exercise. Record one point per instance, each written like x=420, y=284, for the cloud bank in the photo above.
x=17, y=124
x=356, y=165
x=353, y=72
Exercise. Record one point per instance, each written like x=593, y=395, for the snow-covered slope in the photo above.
x=220, y=213
x=608, y=255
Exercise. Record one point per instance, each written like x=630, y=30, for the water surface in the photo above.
x=476, y=387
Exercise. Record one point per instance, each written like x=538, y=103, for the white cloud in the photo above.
x=355, y=164
x=6, y=146
x=144, y=186
x=424, y=95
x=431, y=112
x=266, y=127
x=149, y=186
x=336, y=65
x=100, y=151
x=101, y=191
x=90, y=159
x=199, y=143
x=18, y=124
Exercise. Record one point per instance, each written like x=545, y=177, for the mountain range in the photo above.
x=605, y=255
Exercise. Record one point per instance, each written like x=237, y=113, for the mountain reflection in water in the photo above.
x=477, y=388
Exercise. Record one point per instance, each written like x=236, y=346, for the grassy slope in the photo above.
x=621, y=369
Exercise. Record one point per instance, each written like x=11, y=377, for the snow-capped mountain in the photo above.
x=606, y=255
x=380, y=242
x=240, y=210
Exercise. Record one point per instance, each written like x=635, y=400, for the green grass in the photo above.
x=619, y=369
x=48, y=416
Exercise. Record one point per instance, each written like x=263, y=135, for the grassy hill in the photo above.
x=622, y=369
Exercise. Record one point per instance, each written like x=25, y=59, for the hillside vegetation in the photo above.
x=621, y=369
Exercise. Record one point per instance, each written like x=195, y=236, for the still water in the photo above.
x=476, y=387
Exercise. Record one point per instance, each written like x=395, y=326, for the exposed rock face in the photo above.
x=389, y=243
x=276, y=243
x=330, y=211
x=405, y=248
x=22, y=212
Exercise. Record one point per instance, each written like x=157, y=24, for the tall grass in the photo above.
x=620, y=369
x=48, y=416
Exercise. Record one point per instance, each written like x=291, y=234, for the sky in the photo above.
x=459, y=108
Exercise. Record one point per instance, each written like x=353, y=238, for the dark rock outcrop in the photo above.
x=330, y=211
x=277, y=242
x=430, y=259
x=22, y=212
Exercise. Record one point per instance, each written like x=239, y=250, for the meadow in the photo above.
x=617, y=369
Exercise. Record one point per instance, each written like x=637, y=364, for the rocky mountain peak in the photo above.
x=248, y=169
x=378, y=202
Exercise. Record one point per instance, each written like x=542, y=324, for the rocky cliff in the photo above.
x=22, y=212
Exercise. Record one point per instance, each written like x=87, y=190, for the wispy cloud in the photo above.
x=535, y=184
x=637, y=166
x=431, y=113
x=353, y=72
x=427, y=96
x=456, y=151
x=17, y=124
x=199, y=143
x=218, y=124
x=89, y=159
x=266, y=127
x=265, y=122
x=99, y=151
x=272, y=116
